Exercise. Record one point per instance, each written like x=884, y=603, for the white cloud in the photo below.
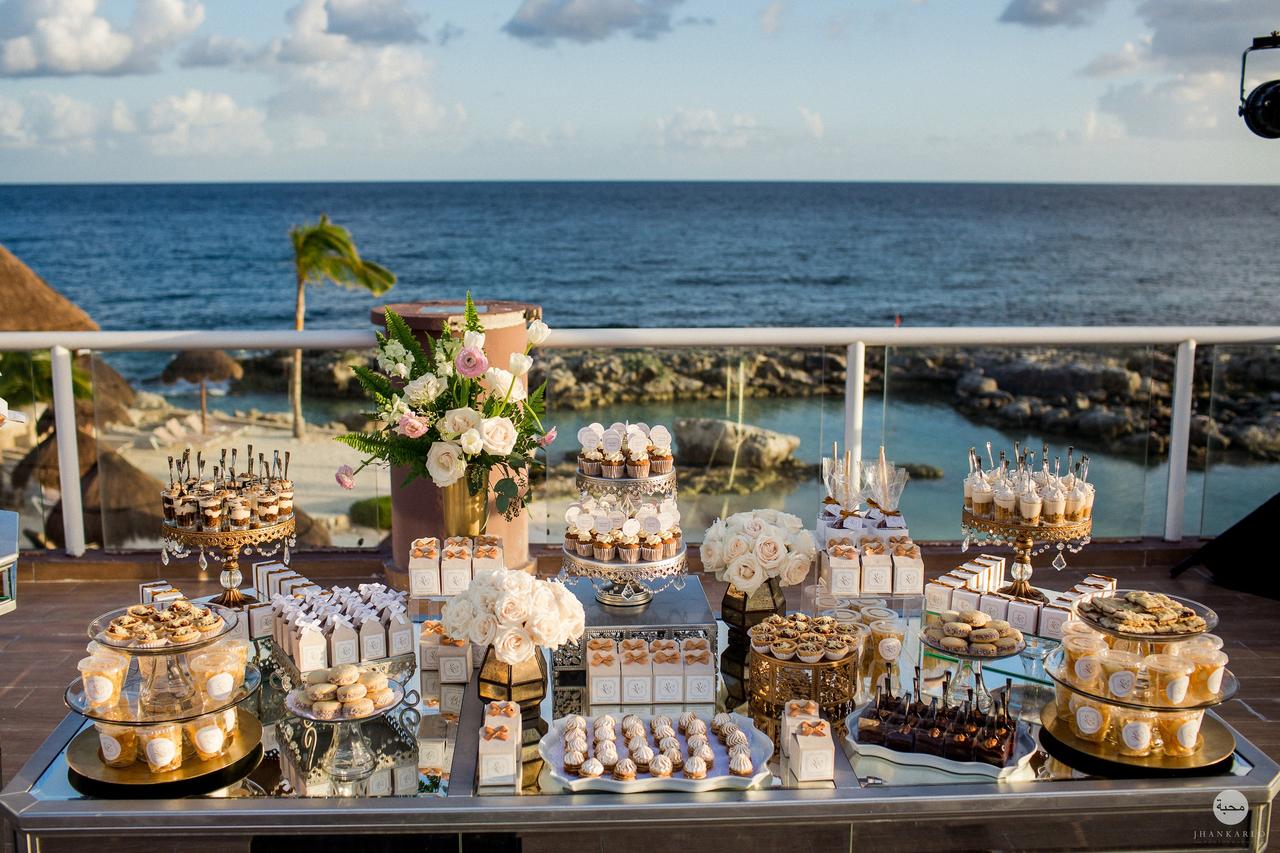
x=122, y=119
x=813, y=123
x=64, y=37
x=771, y=17
x=1052, y=13
x=583, y=21
x=216, y=51
x=704, y=129
x=51, y=121
x=1132, y=56
x=204, y=123
x=375, y=21
x=1188, y=105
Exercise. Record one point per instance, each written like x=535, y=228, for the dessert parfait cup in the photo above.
x=1120, y=671
x=168, y=500
x=1082, y=661
x=185, y=513
x=102, y=676
x=1179, y=732
x=1170, y=679
x=1206, y=677
x=885, y=647
x=239, y=515
x=1135, y=732
x=266, y=509
x=1089, y=720
x=161, y=746
x=117, y=745
x=207, y=737
x=284, y=499
x=216, y=675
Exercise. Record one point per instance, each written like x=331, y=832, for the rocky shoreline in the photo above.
x=1118, y=398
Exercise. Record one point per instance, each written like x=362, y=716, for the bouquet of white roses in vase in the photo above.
x=448, y=414
x=750, y=549
x=513, y=614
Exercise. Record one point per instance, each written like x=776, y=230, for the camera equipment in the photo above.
x=1261, y=109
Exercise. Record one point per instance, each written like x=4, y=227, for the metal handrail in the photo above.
x=854, y=338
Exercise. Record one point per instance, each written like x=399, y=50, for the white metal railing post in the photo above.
x=1179, y=439
x=855, y=368
x=64, y=419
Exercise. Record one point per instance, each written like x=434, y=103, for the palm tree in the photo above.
x=325, y=252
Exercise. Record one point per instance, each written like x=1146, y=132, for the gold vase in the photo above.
x=465, y=514
x=525, y=683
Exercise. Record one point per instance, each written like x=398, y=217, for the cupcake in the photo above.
x=670, y=544
x=637, y=463
x=652, y=548
x=613, y=466
x=660, y=461
x=603, y=547
x=589, y=462
x=584, y=544
x=629, y=549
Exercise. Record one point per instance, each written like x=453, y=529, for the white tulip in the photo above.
x=520, y=364
x=471, y=442
x=473, y=339
x=537, y=332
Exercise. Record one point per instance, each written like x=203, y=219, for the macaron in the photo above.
x=957, y=629
x=326, y=710
x=344, y=675
x=976, y=618
x=351, y=692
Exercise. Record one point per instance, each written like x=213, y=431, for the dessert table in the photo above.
x=872, y=801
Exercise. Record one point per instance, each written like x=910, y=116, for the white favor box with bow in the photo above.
x=604, y=672
x=795, y=712
x=668, y=671
x=637, y=672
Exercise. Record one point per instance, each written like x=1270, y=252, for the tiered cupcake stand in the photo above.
x=158, y=689
x=618, y=583
x=1213, y=745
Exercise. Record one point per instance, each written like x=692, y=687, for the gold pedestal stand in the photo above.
x=1071, y=536
x=832, y=684
x=225, y=546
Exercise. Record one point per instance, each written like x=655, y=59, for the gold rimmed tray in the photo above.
x=128, y=710
x=1209, y=616
x=1216, y=745
x=98, y=627
x=84, y=760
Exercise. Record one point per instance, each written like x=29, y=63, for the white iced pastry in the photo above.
x=696, y=727
x=607, y=753
x=668, y=742
x=574, y=722
x=737, y=737
x=721, y=720
x=695, y=767
x=660, y=766
x=704, y=752
x=695, y=741
x=686, y=718
x=591, y=768
x=606, y=720
x=740, y=765
x=636, y=742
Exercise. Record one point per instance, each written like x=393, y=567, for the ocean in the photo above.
x=697, y=254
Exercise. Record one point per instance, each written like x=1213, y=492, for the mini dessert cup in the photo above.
x=161, y=746
x=284, y=503
x=266, y=509
x=885, y=647
x=1134, y=732
x=1089, y=720
x=1062, y=701
x=239, y=515
x=216, y=675
x=229, y=721
x=206, y=736
x=1206, y=677
x=168, y=500
x=1120, y=673
x=1006, y=502
x=1170, y=679
x=1203, y=641
x=1179, y=732
x=810, y=652
x=239, y=649
x=102, y=676
x=117, y=745
x=1029, y=506
x=211, y=514
x=983, y=501
x=1083, y=660
x=185, y=513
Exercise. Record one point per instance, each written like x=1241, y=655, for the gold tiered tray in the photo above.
x=1027, y=541
x=832, y=684
x=226, y=546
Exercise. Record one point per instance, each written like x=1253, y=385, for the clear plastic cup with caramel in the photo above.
x=102, y=676
x=1120, y=673
x=1208, y=666
x=216, y=675
x=117, y=745
x=1170, y=679
x=1089, y=720
x=884, y=649
x=207, y=737
x=1179, y=732
x=161, y=746
x=1135, y=732
x=1082, y=657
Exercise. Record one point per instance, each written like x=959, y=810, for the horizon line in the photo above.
x=461, y=181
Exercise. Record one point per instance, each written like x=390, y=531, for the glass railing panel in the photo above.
x=1237, y=436
x=28, y=453
x=933, y=403
x=147, y=408
x=701, y=395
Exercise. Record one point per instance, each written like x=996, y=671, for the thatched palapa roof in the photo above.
x=194, y=365
x=31, y=305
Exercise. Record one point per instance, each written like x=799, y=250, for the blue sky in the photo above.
x=1004, y=90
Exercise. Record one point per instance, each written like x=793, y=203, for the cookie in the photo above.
x=976, y=618
x=954, y=644
x=985, y=650
x=344, y=675
x=949, y=616
x=984, y=635
x=362, y=707
x=351, y=692
x=1007, y=645
x=957, y=629
x=1000, y=626
x=322, y=692
x=373, y=680
x=326, y=710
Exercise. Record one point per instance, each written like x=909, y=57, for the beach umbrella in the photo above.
x=120, y=503
x=202, y=366
x=31, y=305
x=41, y=463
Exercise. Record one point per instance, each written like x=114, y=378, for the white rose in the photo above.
x=445, y=463
x=745, y=574
x=717, y=529
x=712, y=555
x=499, y=435
x=484, y=629
x=753, y=526
x=545, y=629
x=543, y=600
x=512, y=608
x=537, y=332
x=517, y=582
x=795, y=569
x=791, y=523
x=473, y=339
x=471, y=442
x=498, y=382
x=738, y=544
x=457, y=615
x=513, y=645
x=422, y=391
x=520, y=364
x=572, y=623
x=802, y=542
x=457, y=421
x=769, y=552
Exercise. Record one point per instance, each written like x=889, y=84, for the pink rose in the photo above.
x=548, y=438
x=411, y=426
x=471, y=362
x=345, y=477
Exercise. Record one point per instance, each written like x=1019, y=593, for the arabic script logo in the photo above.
x=1230, y=807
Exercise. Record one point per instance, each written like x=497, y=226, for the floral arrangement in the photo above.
x=750, y=548
x=514, y=613
x=450, y=415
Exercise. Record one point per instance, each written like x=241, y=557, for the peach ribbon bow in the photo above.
x=798, y=708
x=633, y=645
x=602, y=660
x=599, y=644
x=456, y=554
x=666, y=657
x=697, y=657
x=635, y=657
x=907, y=549
x=450, y=641
x=876, y=547
x=844, y=552
x=486, y=552
x=433, y=628
x=808, y=728
x=694, y=644
x=503, y=709
x=662, y=645
x=495, y=732
x=487, y=540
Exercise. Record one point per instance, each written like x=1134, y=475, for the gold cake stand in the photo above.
x=226, y=546
x=832, y=684
x=1027, y=541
